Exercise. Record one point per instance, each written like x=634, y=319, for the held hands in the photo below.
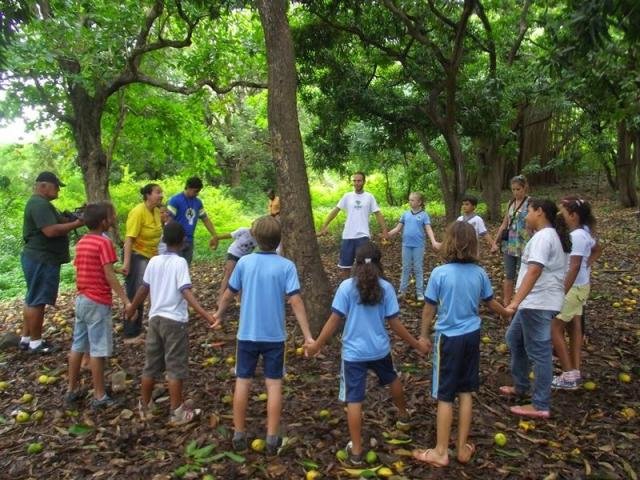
x=217, y=320
x=437, y=245
x=129, y=312
x=424, y=345
x=213, y=243
x=311, y=347
x=322, y=232
x=494, y=247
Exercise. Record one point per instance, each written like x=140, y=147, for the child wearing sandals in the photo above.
x=584, y=251
x=539, y=297
x=367, y=302
x=167, y=280
x=454, y=292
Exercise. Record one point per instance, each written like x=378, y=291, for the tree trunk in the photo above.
x=491, y=164
x=87, y=133
x=448, y=192
x=626, y=163
x=299, y=238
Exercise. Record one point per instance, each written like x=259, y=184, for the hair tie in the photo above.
x=367, y=260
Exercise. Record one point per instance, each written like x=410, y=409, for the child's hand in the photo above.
x=494, y=248
x=424, y=345
x=511, y=309
x=217, y=320
x=437, y=245
x=129, y=312
x=213, y=243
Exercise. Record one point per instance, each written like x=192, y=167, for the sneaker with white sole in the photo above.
x=353, y=459
x=563, y=382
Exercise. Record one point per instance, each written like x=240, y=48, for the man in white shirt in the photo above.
x=358, y=205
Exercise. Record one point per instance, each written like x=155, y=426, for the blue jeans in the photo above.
x=412, y=259
x=529, y=339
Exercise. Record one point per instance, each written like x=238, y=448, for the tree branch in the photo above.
x=414, y=31
x=491, y=47
x=49, y=106
x=523, y=26
x=188, y=90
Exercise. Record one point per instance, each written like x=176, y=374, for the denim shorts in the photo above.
x=42, y=282
x=248, y=353
x=166, y=349
x=353, y=377
x=348, y=248
x=456, y=364
x=93, y=331
x=511, y=266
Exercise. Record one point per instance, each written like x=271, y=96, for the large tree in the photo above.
x=71, y=57
x=299, y=241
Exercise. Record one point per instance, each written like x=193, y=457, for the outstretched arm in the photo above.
x=382, y=223
x=395, y=230
x=396, y=325
x=435, y=244
x=534, y=270
x=297, y=305
x=139, y=297
x=428, y=314
x=312, y=348
x=213, y=243
x=328, y=220
x=193, y=303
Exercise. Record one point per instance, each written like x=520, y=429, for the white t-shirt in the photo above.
x=581, y=244
x=358, y=207
x=243, y=242
x=476, y=222
x=545, y=249
x=167, y=276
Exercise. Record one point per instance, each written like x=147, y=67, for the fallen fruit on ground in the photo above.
x=342, y=455
x=33, y=448
x=37, y=415
x=43, y=379
x=324, y=413
x=299, y=351
x=263, y=397
x=371, y=457
x=589, y=385
x=4, y=386
x=624, y=377
x=258, y=445
x=26, y=398
x=22, y=416
x=312, y=475
x=384, y=472
x=500, y=439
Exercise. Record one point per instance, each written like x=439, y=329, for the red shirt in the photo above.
x=92, y=253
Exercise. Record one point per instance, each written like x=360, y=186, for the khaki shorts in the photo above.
x=574, y=302
x=167, y=349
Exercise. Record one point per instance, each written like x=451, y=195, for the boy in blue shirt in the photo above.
x=455, y=291
x=186, y=208
x=265, y=279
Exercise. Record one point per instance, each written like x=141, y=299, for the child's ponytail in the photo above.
x=577, y=205
x=366, y=272
x=551, y=213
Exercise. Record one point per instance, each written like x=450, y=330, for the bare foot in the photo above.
x=431, y=457
x=466, y=452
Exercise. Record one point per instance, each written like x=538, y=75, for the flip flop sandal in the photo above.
x=528, y=412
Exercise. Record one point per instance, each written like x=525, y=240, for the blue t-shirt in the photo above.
x=457, y=289
x=413, y=228
x=186, y=212
x=265, y=278
x=364, y=337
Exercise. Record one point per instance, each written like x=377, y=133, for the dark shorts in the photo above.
x=42, y=280
x=248, y=353
x=187, y=252
x=167, y=349
x=456, y=363
x=348, y=248
x=232, y=257
x=353, y=377
x=511, y=266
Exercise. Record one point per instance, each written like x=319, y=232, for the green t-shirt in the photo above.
x=40, y=213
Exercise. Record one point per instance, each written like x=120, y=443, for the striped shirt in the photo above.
x=92, y=253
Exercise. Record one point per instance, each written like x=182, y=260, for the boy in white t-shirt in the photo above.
x=167, y=280
x=469, y=215
x=243, y=244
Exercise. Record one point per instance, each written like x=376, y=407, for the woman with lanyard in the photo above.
x=143, y=233
x=513, y=234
